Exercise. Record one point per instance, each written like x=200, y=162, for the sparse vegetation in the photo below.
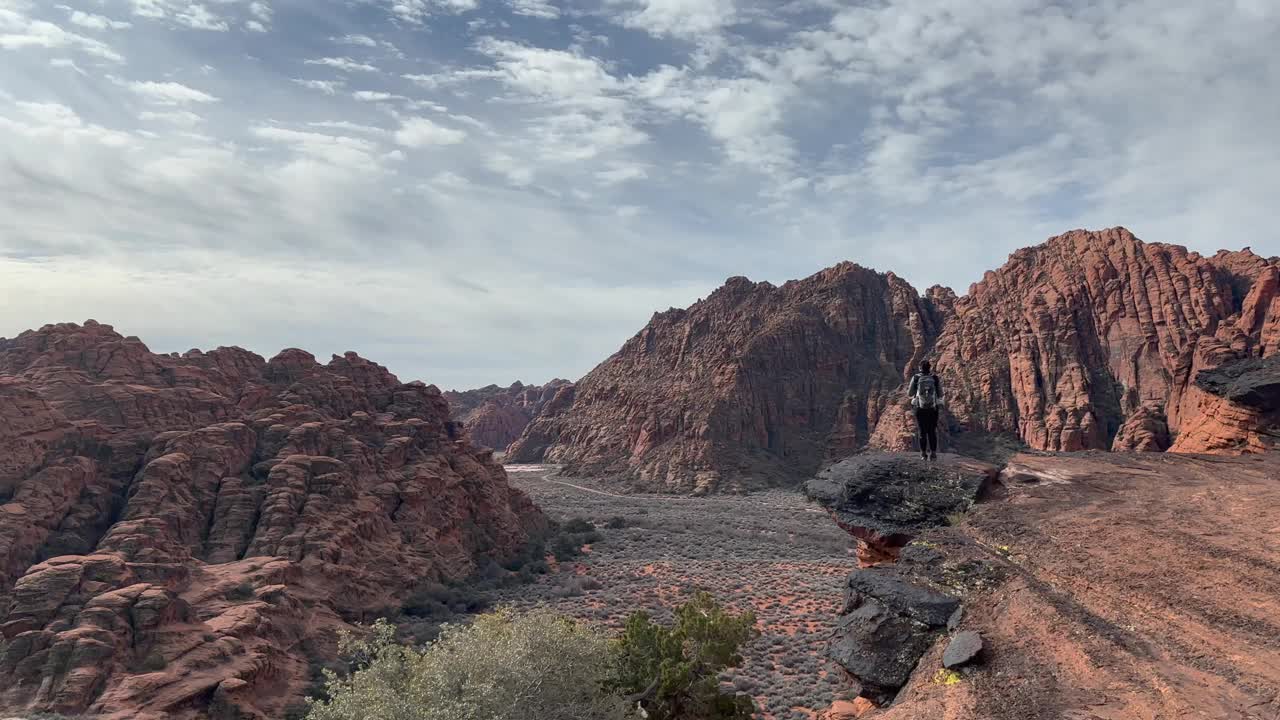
x=674, y=672
x=240, y=593
x=742, y=549
x=154, y=662
x=504, y=666
x=513, y=666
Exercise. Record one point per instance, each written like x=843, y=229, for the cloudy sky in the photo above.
x=475, y=191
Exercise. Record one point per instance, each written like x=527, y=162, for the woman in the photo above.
x=926, y=398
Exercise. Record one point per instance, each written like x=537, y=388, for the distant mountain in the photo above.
x=1091, y=340
x=495, y=416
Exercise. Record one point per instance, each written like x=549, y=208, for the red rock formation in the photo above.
x=495, y=417
x=1088, y=341
x=754, y=382
x=181, y=535
x=1239, y=411
x=1092, y=336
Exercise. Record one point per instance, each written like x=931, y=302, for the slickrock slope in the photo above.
x=1091, y=340
x=1094, y=339
x=180, y=536
x=1102, y=585
x=754, y=384
x=495, y=417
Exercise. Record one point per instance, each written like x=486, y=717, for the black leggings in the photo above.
x=928, y=421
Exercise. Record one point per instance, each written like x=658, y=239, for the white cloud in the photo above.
x=345, y=64
x=193, y=15
x=535, y=8
x=168, y=93
x=375, y=96
x=328, y=87
x=182, y=118
x=66, y=63
x=347, y=126
x=419, y=132
x=18, y=31
x=97, y=22
x=255, y=26
x=417, y=11
x=682, y=18
x=363, y=40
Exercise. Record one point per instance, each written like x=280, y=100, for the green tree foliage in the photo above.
x=502, y=667
x=674, y=671
x=506, y=666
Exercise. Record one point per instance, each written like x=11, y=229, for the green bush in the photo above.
x=241, y=592
x=502, y=667
x=154, y=662
x=539, y=665
x=674, y=671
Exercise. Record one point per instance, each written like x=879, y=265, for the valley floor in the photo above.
x=775, y=553
x=1135, y=587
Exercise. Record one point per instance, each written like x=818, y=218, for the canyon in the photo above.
x=495, y=417
x=1091, y=340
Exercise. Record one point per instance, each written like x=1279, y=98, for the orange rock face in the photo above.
x=1092, y=340
x=495, y=417
x=754, y=383
x=181, y=536
x=1093, y=335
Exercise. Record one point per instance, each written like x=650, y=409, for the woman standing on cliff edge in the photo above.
x=926, y=398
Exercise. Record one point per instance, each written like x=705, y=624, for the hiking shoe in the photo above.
x=924, y=456
x=933, y=456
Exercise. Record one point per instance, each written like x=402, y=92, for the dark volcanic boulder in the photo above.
x=885, y=500
x=1253, y=382
x=887, y=625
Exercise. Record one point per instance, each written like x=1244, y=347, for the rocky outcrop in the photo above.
x=1091, y=340
x=897, y=604
x=1239, y=411
x=754, y=384
x=181, y=536
x=495, y=417
x=1087, y=340
x=886, y=500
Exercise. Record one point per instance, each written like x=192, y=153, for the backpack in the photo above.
x=926, y=392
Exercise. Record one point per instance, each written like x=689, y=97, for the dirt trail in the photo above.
x=1140, y=587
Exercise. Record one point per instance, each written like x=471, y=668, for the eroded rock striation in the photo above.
x=495, y=417
x=1091, y=340
x=1094, y=339
x=182, y=535
x=753, y=384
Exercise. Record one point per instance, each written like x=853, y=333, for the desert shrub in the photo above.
x=154, y=662
x=617, y=522
x=436, y=600
x=502, y=667
x=673, y=671
x=241, y=592
x=578, y=526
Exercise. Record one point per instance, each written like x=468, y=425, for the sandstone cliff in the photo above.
x=1094, y=339
x=1091, y=340
x=756, y=383
x=180, y=536
x=495, y=417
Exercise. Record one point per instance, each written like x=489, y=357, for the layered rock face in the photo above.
x=1092, y=340
x=181, y=536
x=495, y=417
x=1239, y=411
x=756, y=383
